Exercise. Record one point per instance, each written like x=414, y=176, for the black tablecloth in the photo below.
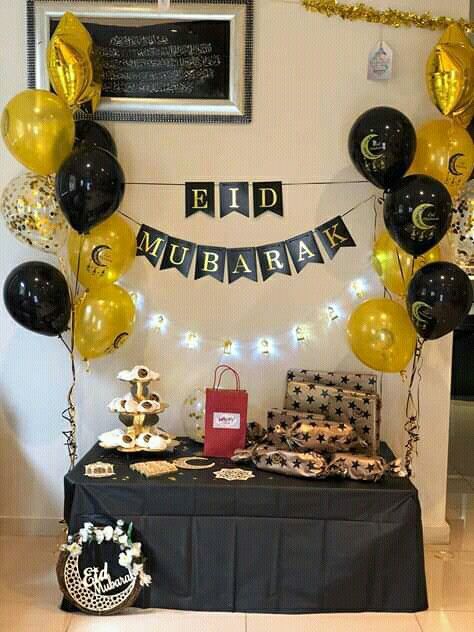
x=269, y=544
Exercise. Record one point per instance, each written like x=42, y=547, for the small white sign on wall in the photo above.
x=380, y=62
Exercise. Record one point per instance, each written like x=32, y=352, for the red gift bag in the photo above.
x=226, y=416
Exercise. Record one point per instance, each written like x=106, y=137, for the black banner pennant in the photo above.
x=335, y=235
x=150, y=243
x=234, y=198
x=303, y=249
x=210, y=261
x=267, y=197
x=178, y=254
x=273, y=259
x=242, y=263
x=200, y=197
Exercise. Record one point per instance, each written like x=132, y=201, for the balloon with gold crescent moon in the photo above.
x=98, y=256
x=365, y=149
x=421, y=311
x=453, y=168
x=419, y=221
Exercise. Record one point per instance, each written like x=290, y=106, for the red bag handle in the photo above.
x=226, y=368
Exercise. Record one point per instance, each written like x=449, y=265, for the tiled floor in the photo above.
x=29, y=595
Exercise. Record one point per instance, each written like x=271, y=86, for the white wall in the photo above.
x=310, y=84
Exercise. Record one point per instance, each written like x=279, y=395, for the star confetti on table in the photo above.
x=233, y=474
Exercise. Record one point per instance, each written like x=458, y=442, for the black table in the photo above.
x=269, y=544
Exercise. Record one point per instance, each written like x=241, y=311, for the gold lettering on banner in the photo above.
x=273, y=260
x=199, y=197
x=234, y=191
x=334, y=238
x=174, y=247
x=211, y=260
x=148, y=248
x=264, y=192
x=305, y=251
x=241, y=263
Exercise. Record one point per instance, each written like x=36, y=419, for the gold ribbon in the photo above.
x=389, y=17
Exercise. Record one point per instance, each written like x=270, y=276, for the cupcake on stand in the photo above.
x=139, y=411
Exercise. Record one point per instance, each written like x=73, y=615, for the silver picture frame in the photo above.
x=237, y=108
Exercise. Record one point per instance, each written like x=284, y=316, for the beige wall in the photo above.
x=310, y=84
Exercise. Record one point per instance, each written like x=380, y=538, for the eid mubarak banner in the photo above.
x=233, y=264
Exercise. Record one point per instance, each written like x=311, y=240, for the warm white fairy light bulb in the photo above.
x=358, y=288
x=264, y=346
x=300, y=333
x=332, y=313
x=158, y=322
x=228, y=347
x=191, y=339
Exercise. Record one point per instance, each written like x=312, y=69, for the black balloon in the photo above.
x=89, y=186
x=91, y=133
x=439, y=298
x=36, y=295
x=417, y=213
x=382, y=145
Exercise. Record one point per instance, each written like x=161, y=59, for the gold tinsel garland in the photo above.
x=390, y=17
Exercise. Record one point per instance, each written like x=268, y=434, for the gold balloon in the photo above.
x=104, y=320
x=38, y=129
x=70, y=63
x=32, y=214
x=445, y=151
x=381, y=335
x=450, y=73
x=396, y=267
x=106, y=252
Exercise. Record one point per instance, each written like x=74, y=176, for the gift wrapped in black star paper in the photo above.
x=283, y=420
x=363, y=382
x=360, y=409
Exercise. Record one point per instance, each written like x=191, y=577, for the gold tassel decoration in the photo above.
x=389, y=17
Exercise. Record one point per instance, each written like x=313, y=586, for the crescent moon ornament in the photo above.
x=422, y=312
x=453, y=165
x=183, y=464
x=99, y=256
x=365, y=149
x=421, y=222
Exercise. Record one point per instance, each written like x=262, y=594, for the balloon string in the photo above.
x=69, y=413
x=412, y=411
x=354, y=208
x=400, y=267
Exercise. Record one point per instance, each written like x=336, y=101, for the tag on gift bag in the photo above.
x=226, y=416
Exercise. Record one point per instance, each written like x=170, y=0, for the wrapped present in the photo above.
x=357, y=467
x=283, y=420
x=307, y=465
x=361, y=410
x=322, y=437
x=364, y=382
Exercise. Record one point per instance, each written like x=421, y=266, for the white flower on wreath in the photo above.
x=108, y=533
x=118, y=532
x=145, y=580
x=99, y=536
x=123, y=539
x=83, y=534
x=136, y=549
x=137, y=569
x=125, y=559
x=75, y=549
x=88, y=525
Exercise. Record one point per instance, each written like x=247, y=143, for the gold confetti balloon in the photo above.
x=462, y=228
x=450, y=74
x=71, y=67
x=32, y=214
x=38, y=130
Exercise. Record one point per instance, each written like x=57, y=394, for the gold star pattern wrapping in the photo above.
x=359, y=409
